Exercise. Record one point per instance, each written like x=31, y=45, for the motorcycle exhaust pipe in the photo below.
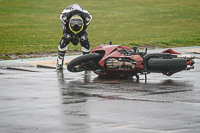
x=186, y=56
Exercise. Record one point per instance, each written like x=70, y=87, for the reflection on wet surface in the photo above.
x=122, y=104
x=75, y=91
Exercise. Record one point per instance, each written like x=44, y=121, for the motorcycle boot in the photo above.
x=59, y=65
x=60, y=60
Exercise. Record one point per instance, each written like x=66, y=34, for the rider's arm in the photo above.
x=87, y=17
x=65, y=15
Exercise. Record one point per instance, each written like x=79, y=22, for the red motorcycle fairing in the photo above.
x=133, y=64
x=170, y=51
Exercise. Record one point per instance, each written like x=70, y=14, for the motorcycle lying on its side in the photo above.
x=120, y=61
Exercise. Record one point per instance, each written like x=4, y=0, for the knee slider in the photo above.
x=65, y=41
x=69, y=37
x=84, y=38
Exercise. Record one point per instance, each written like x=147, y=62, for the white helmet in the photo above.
x=76, y=24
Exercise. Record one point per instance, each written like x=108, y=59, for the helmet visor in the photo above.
x=76, y=24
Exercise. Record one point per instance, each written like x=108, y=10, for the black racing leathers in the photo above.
x=68, y=35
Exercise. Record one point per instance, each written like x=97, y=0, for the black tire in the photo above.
x=84, y=62
x=166, y=65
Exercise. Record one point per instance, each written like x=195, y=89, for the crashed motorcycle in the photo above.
x=117, y=61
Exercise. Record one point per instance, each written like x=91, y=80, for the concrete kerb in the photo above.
x=195, y=50
x=189, y=50
x=45, y=61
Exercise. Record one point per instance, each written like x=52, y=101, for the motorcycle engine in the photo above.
x=120, y=63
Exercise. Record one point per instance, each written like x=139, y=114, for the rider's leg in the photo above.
x=85, y=44
x=63, y=46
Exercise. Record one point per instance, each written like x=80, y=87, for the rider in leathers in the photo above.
x=75, y=21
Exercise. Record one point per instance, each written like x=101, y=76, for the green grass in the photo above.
x=34, y=26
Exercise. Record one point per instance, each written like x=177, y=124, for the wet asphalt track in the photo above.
x=38, y=100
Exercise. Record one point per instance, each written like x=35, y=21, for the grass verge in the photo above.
x=34, y=26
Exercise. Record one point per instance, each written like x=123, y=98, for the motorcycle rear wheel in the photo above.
x=84, y=62
x=166, y=65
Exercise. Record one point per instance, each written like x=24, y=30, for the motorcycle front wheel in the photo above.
x=84, y=62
